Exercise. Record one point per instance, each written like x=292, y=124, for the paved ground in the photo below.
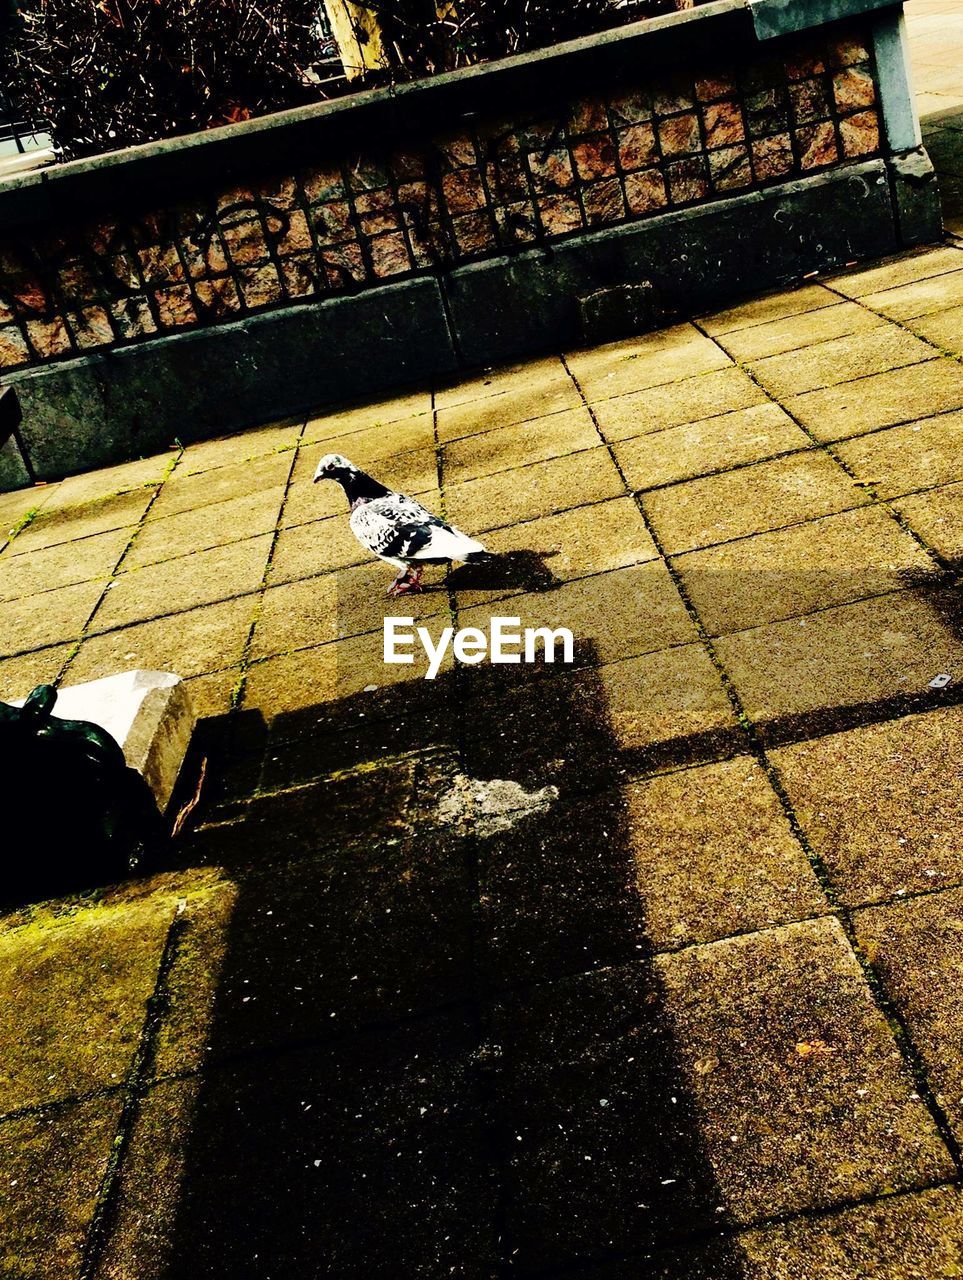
x=936, y=49
x=681, y=998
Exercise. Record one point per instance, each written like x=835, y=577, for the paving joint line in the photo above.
x=135, y=1088
x=115, y=572
x=244, y=662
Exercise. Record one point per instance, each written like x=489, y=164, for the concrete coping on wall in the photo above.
x=128, y=177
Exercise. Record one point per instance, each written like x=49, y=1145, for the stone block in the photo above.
x=148, y=713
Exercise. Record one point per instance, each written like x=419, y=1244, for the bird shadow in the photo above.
x=523, y=570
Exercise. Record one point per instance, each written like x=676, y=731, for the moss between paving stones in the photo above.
x=802, y=1096
x=673, y=406
x=827, y=363
x=881, y=400
x=48, y=529
x=714, y=444
x=915, y=948
x=213, y=694
x=888, y=647
x=714, y=855
x=74, y=991
x=529, y=492
x=791, y=333
x=793, y=571
x=515, y=446
x=184, y=492
x=206, y=527
x=51, y=1166
x=544, y=397
x=190, y=643
x=19, y=506
x=62, y=566
x=916, y=456
x=36, y=622
x=750, y=500
x=242, y=447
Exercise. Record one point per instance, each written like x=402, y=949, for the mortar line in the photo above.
x=244, y=661
x=85, y=629
x=135, y=1087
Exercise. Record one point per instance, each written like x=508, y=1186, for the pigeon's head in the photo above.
x=334, y=466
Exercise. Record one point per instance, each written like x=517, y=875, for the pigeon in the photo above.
x=395, y=527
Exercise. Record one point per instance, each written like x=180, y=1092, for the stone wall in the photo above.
x=358, y=216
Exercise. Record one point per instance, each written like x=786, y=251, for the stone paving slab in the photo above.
x=679, y=403
x=620, y=614
x=61, y=566
x=768, y=309
x=192, y=643
x=790, y=333
x=184, y=492
x=714, y=855
x=206, y=527
x=937, y=516
x=919, y=455
x=944, y=328
x=54, y=527
x=21, y=674
x=880, y=400
x=824, y=364
x=802, y=1096
x=74, y=996
x=185, y=583
x=889, y=647
x=920, y=297
x=750, y=500
x=504, y=448
x=879, y=804
x=372, y=1147
x=536, y=400
x=61, y=615
x=51, y=1168
x=228, y=450
x=529, y=492
x=714, y=444
x=915, y=948
x=792, y=572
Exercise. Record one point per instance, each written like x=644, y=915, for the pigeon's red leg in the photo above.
x=399, y=584
x=411, y=583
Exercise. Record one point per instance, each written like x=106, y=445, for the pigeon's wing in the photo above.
x=397, y=527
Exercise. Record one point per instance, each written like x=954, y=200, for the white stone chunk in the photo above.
x=148, y=713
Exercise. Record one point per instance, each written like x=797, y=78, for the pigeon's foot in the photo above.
x=406, y=582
